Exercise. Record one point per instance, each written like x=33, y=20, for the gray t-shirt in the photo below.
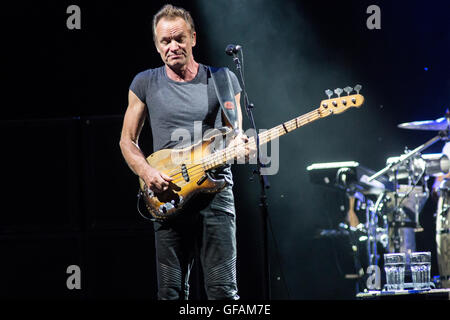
x=176, y=105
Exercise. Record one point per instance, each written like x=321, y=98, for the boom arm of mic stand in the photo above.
x=405, y=157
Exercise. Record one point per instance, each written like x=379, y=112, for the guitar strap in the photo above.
x=225, y=94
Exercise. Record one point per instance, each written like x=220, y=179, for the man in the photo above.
x=438, y=180
x=175, y=96
x=442, y=223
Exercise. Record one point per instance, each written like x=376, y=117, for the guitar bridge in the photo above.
x=173, y=204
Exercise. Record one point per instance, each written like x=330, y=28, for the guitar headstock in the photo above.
x=340, y=104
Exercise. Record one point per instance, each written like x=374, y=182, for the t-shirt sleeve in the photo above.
x=139, y=85
x=235, y=83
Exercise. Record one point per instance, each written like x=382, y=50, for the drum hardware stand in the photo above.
x=425, y=194
x=375, y=234
x=393, y=168
x=353, y=239
x=371, y=225
x=398, y=212
x=369, y=231
x=394, y=165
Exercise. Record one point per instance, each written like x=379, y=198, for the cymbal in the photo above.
x=432, y=125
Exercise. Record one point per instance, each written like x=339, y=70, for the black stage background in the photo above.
x=68, y=198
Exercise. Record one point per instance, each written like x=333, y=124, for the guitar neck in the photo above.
x=330, y=106
x=286, y=127
x=230, y=153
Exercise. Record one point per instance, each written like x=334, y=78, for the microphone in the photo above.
x=232, y=49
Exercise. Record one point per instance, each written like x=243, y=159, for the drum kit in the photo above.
x=392, y=199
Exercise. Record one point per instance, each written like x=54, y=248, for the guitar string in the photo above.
x=303, y=119
x=217, y=156
x=221, y=156
x=266, y=136
x=224, y=154
x=229, y=154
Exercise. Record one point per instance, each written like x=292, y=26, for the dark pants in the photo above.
x=206, y=225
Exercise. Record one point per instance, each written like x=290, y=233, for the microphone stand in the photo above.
x=264, y=183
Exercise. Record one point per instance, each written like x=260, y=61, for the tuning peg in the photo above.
x=329, y=93
x=357, y=88
x=348, y=90
x=338, y=91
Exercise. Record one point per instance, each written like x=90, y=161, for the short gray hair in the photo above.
x=171, y=12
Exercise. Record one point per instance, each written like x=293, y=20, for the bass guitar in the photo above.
x=190, y=168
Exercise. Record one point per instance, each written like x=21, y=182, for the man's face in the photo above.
x=174, y=41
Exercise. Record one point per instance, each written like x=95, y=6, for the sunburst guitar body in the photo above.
x=190, y=169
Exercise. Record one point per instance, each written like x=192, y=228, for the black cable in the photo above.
x=139, y=195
